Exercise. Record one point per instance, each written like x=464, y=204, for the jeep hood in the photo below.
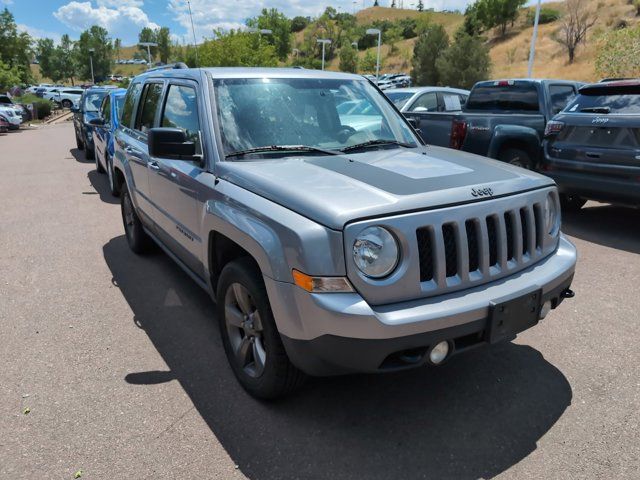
x=335, y=190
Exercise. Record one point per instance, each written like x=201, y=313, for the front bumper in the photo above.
x=326, y=334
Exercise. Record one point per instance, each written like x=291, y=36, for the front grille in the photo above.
x=484, y=246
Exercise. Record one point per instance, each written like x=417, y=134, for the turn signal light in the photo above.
x=321, y=284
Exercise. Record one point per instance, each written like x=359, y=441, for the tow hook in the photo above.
x=568, y=293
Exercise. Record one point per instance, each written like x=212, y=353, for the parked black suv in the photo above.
x=592, y=148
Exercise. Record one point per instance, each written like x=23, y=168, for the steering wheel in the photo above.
x=345, y=132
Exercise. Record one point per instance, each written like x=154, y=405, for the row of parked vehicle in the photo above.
x=11, y=114
x=331, y=236
x=586, y=137
x=389, y=81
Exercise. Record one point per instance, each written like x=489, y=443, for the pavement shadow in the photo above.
x=100, y=182
x=608, y=225
x=78, y=155
x=473, y=417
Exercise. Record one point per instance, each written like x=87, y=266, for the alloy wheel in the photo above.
x=245, y=330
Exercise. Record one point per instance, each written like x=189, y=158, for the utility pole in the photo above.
x=534, y=37
x=195, y=43
x=149, y=45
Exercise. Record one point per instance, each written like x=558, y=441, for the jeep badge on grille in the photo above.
x=482, y=192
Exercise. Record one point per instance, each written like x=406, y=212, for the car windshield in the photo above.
x=93, y=100
x=399, y=98
x=325, y=114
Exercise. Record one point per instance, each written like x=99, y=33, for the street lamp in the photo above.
x=324, y=42
x=93, y=79
x=376, y=31
x=149, y=45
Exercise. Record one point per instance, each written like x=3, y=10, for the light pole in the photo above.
x=149, y=45
x=376, y=31
x=93, y=79
x=534, y=36
x=323, y=41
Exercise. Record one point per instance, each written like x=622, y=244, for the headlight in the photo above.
x=375, y=252
x=551, y=215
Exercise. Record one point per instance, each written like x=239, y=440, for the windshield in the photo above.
x=625, y=104
x=93, y=100
x=327, y=114
x=399, y=98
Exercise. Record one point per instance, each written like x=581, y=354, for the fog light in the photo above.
x=546, y=308
x=439, y=353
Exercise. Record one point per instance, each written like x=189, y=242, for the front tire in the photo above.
x=516, y=157
x=67, y=104
x=79, y=142
x=249, y=333
x=99, y=167
x=138, y=240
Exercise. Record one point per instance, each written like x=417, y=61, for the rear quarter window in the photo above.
x=518, y=97
x=129, y=104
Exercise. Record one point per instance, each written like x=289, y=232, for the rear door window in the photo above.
x=451, y=102
x=560, y=96
x=148, y=107
x=516, y=97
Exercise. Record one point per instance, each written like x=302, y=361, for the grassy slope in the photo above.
x=510, y=55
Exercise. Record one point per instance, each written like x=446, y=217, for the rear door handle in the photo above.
x=153, y=165
x=593, y=155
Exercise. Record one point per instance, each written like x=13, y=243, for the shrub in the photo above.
x=618, y=53
x=547, y=15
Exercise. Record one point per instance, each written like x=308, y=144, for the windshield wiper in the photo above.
x=596, y=110
x=281, y=148
x=377, y=142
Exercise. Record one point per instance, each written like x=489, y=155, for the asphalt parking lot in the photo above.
x=119, y=362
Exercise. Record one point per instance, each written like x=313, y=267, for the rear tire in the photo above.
x=114, y=188
x=99, y=167
x=89, y=152
x=516, y=157
x=138, y=240
x=249, y=334
x=571, y=203
x=79, y=142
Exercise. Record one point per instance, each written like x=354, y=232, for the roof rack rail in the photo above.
x=169, y=66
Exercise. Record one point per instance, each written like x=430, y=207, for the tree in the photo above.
x=237, y=49
x=465, y=62
x=420, y=6
x=280, y=26
x=148, y=35
x=429, y=47
x=495, y=13
x=117, y=46
x=15, y=47
x=368, y=63
x=577, y=20
x=96, y=38
x=348, y=59
x=618, y=53
x=64, y=66
x=45, y=51
x=9, y=76
x=163, y=37
x=299, y=23
x=376, y=4
x=393, y=3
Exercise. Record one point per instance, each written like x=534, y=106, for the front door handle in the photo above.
x=593, y=155
x=153, y=165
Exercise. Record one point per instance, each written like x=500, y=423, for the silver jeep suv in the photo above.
x=332, y=242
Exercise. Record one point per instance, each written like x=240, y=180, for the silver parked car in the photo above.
x=332, y=243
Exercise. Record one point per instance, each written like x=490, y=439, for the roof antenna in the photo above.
x=195, y=44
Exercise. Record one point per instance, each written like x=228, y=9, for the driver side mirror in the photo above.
x=171, y=143
x=97, y=122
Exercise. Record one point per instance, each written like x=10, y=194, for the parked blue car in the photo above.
x=104, y=127
x=88, y=109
